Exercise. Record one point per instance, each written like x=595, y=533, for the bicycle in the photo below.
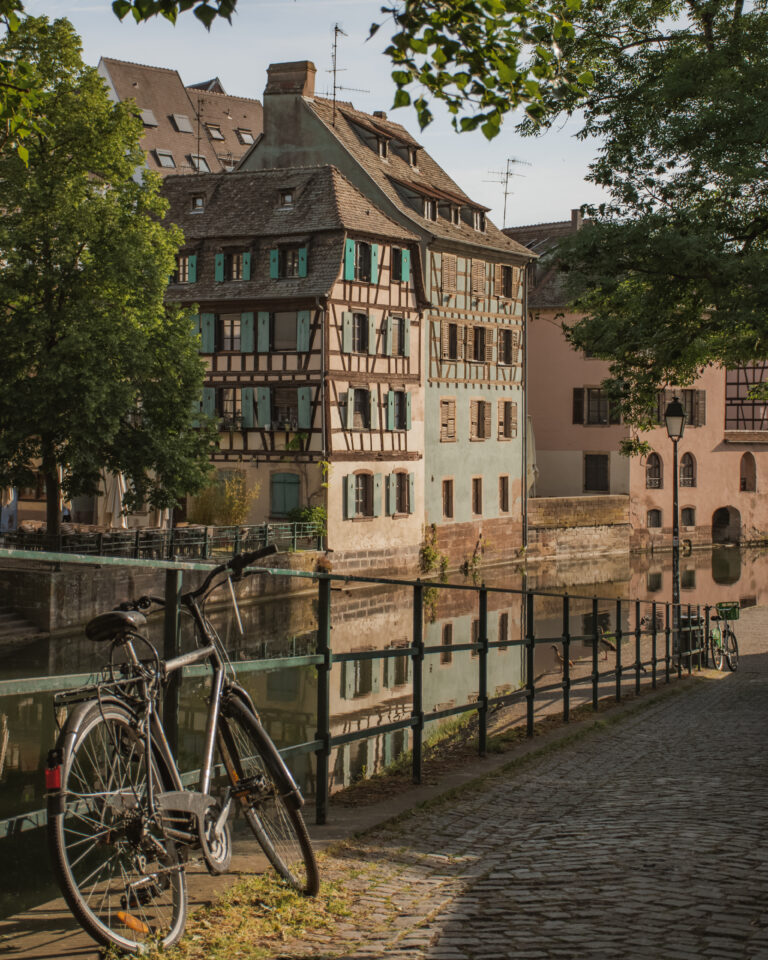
x=722, y=640
x=121, y=824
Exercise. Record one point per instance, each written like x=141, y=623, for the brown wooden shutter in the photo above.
x=700, y=408
x=445, y=328
x=513, y=418
x=473, y=418
x=490, y=336
x=470, y=345
x=478, y=278
x=487, y=406
x=501, y=418
x=578, y=404
x=498, y=280
x=517, y=337
x=451, y=425
x=460, y=338
x=449, y=273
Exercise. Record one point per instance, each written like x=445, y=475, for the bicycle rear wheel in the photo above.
x=253, y=764
x=716, y=649
x=123, y=881
x=731, y=650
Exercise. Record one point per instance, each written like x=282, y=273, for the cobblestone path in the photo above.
x=645, y=839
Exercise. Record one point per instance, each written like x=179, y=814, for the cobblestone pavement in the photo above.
x=646, y=839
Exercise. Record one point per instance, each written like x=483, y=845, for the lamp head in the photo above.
x=674, y=419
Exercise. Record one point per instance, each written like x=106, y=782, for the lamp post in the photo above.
x=674, y=419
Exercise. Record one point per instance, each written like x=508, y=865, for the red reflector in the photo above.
x=53, y=778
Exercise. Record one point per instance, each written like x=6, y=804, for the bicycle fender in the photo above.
x=234, y=689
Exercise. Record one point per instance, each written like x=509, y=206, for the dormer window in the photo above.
x=197, y=203
x=215, y=131
x=244, y=136
x=181, y=122
x=478, y=220
x=199, y=163
x=413, y=157
x=430, y=208
x=148, y=118
x=455, y=215
x=165, y=158
x=383, y=147
x=286, y=198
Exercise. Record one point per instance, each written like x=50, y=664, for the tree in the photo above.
x=95, y=373
x=672, y=273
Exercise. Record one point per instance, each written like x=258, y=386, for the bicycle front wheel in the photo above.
x=123, y=881
x=731, y=650
x=256, y=771
x=716, y=649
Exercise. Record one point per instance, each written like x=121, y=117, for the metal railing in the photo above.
x=645, y=627
x=189, y=542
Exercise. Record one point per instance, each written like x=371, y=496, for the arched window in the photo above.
x=284, y=493
x=654, y=518
x=653, y=475
x=688, y=517
x=748, y=473
x=687, y=471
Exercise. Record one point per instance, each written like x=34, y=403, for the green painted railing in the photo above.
x=670, y=656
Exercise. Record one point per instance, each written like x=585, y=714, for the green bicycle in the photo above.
x=722, y=640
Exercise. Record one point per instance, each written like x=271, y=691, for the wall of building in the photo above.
x=563, y=526
x=561, y=472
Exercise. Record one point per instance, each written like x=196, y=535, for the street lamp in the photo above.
x=674, y=419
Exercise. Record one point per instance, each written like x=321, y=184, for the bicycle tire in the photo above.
x=248, y=753
x=716, y=649
x=125, y=886
x=732, y=650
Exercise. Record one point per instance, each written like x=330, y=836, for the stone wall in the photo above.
x=568, y=526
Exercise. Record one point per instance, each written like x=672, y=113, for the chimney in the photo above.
x=576, y=219
x=297, y=79
x=381, y=114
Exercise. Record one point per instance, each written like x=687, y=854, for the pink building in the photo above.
x=723, y=455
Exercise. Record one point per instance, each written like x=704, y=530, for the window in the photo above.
x=363, y=261
x=748, y=473
x=285, y=407
x=397, y=264
x=400, y=411
x=197, y=203
x=184, y=270
x=742, y=411
x=199, y=163
x=165, y=158
x=382, y=146
x=478, y=349
x=448, y=499
x=360, y=333
x=402, y=493
x=503, y=630
x=653, y=474
x=413, y=156
x=505, y=286
x=688, y=579
x=504, y=494
x=446, y=656
x=448, y=268
x=282, y=330
x=653, y=519
x=229, y=406
x=478, y=278
x=181, y=122
x=284, y=490
x=362, y=410
x=429, y=208
x=398, y=336
x=229, y=331
x=447, y=419
x=478, y=220
x=687, y=471
x=288, y=261
x=455, y=215
x=234, y=264
x=477, y=496
x=450, y=340
x=596, y=475
x=600, y=410
x=363, y=491
x=688, y=517
x=148, y=118
x=214, y=131
x=244, y=136
x=509, y=346
x=694, y=403
x=286, y=198
x=479, y=420
x=653, y=581
x=507, y=419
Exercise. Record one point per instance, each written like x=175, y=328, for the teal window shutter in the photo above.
x=390, y=409
x=347, y=323
x=407, y=411
x=273, y=264
x=263, y=407
x=388, y=337
x=391, y=494
x=262, y=336
x=219, y=277
x=350, y=408
x=246, y=332
x=371, y=335
x=377, y=484
x=209, y=401
x=285, y=491
x=246, y=403
x=195, y=321
x=208, y=327
x=376, y=677
x=305, y=407
x=349, y=260
x=405, y=268
x=411, y=491
x=192, y=261
x=349, y=505
x=302, y=331
x=373, y=406
x=302, y=261
x=247, y=265
x=406, y=336
x=374, y=263
x=197, y=406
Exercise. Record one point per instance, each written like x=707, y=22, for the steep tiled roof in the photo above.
x=392, y=173
x=245, y=208
x=229, y=114
x=547, y=282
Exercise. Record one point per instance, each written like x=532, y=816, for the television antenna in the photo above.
x=503, y=177
x=335, y=70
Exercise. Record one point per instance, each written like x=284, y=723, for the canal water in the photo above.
x=364, y=693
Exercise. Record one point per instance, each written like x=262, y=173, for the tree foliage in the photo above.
x=672, y=273
x=95, y=374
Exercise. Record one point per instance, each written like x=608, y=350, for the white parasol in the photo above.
x=114, y=492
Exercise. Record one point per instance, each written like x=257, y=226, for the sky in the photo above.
x=549, y=179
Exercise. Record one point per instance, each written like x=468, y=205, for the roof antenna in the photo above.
x=335, y=69
x=200, y=107
x=503, y=177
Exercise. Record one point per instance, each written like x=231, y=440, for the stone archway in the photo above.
x=726, y=525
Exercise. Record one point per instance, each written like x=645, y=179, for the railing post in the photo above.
x=653, y=646
x=482, y=664
x=699, y=641
x=618, y=634
x=171, y=543
x=690, y=639
x=637, y=646
x=417, y=713
x=205, y=544
x=238, y=541
x=595, y=642
x=293, y=540
x=566, y=658
x=172, y=648
x=667, y=636
x=136, y=545
x=530, y=644
x=705, y=641
x=323, y=731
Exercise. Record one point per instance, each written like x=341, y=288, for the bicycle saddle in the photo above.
x=116, y=623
